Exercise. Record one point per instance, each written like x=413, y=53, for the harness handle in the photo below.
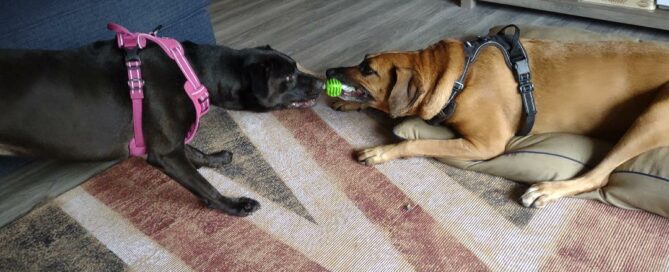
x=155, y=30
x=516, y=35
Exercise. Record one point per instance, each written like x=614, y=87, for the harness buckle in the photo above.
x=135, y=83
x=522, y=66
x=525, y=84
x=526, y=88
x=457, y=85
x=204, y=103
x=133, y=64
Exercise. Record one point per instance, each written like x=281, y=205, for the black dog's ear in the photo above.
x=257, y=72
x=257, y=66
x=266, y=47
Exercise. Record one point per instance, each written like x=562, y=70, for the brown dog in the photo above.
x=613, y=90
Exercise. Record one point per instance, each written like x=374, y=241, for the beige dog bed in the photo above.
x=641, y=183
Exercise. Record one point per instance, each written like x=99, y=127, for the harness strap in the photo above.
x=198, y=94
x=136, y=84
x=515, y=58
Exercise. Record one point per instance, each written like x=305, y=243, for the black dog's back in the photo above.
x=66, y=104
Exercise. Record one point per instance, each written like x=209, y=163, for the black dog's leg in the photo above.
x=178, y=167
x=215, y=160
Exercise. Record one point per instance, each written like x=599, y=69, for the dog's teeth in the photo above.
x=303, y=104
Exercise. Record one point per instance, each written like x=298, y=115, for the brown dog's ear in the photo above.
x=404, y=93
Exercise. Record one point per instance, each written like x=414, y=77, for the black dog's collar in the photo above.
x=516, y=59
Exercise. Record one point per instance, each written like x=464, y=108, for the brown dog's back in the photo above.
x=595, y=88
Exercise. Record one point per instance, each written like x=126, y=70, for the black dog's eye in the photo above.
x=365, y=69
x=290, y=78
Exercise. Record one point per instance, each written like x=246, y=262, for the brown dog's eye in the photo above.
x=365, y=69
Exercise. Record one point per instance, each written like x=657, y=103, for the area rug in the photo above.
x=321, y=210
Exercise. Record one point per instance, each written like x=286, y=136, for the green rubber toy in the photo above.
x=333, y=87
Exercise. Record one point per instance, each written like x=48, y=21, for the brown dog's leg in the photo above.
x=457, y=148
x=341, y=105
x=650, y=130
x=472, y=145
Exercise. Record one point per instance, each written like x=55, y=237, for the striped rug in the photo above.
x=321, y=211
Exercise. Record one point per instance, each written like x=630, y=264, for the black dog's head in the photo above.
x=263, y=79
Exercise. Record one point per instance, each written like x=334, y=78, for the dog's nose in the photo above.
x=331, y=72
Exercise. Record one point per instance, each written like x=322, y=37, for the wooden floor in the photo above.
x=326, y=33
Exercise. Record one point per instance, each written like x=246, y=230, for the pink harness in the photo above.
x=197, y=92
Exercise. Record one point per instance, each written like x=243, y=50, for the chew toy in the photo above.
x=334, y=88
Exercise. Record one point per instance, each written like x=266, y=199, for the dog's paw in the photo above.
x=245, y=206
x=219, y=159
x=539, y=194
x=341, y=105
x=376, y=155
x=241, y=207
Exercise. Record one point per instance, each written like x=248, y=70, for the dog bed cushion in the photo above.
x=641, y=183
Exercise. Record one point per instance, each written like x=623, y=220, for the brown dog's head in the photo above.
x=388, y=81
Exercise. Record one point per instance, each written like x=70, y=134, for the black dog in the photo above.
x=75, y=105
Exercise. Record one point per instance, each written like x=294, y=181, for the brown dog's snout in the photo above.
x=332, y=72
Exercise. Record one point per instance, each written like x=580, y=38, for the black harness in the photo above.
x=516, y=59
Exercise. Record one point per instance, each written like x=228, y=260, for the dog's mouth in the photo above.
x=302, y=104
x=359, y=94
